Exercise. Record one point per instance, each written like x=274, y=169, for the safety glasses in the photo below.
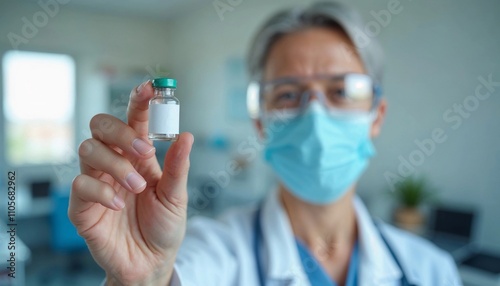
x=349, y=94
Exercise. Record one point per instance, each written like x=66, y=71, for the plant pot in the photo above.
x=409, y=218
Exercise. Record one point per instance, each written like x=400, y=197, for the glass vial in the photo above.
x=164, y=111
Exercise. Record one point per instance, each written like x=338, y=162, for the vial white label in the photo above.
x=164, y=118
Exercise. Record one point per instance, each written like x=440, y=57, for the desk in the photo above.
x=480, y=269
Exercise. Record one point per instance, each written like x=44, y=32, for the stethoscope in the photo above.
x=258, y=237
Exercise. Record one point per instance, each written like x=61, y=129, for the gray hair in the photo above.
x=323, y=14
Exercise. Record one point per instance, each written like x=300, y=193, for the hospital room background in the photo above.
x=63, y=61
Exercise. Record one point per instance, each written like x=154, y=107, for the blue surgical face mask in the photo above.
x=316, y=155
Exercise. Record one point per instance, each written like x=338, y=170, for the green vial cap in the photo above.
x=165, y=82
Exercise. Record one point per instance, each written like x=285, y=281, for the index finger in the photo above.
x=138, y=105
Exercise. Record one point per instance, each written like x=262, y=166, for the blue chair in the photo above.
x=65, y=237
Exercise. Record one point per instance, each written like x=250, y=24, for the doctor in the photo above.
x=316, y=101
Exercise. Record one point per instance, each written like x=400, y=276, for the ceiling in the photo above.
x=158, y=9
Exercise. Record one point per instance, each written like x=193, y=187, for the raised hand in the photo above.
x=131, y=214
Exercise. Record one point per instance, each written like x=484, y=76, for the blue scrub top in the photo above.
x=316, y=273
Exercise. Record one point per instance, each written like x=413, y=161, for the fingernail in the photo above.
x=135, y=181
x=139, y=88
x=141, y=146
x=118, y=202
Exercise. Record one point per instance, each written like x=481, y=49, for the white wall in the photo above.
x=98, y=42
x=435, y=53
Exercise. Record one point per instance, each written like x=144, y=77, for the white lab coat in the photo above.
x=220, y=252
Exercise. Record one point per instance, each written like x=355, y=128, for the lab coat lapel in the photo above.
x=281, y=257
x=377, y=266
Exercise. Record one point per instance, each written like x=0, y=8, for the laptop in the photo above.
x=452, y=229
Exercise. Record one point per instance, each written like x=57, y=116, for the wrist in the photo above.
x=160, y=277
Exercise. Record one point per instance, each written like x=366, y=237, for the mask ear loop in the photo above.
x=377, y=92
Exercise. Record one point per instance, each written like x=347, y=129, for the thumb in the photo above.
x=172, y=187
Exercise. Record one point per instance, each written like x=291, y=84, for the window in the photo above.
x=38, y=103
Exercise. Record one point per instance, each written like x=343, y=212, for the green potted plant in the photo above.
x=410, y=194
